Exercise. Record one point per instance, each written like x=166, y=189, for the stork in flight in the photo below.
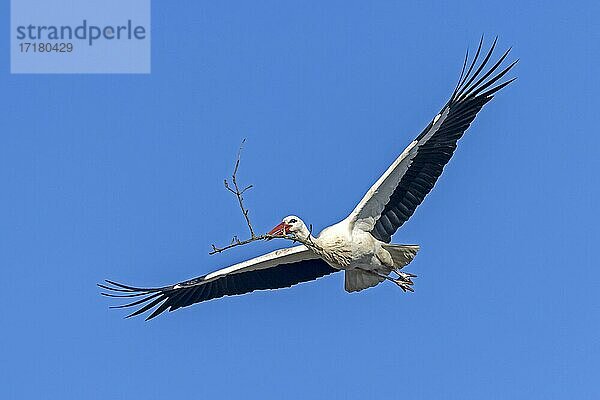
x=360, y=244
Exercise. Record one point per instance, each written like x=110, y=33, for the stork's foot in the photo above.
x=405, y=286
x=404, y=280
x=405, y=276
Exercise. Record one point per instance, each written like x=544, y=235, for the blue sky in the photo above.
x=120, y=176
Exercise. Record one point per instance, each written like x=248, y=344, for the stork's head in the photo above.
x=291, y=225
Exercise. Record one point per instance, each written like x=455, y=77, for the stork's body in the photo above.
x=360, y=244
x=365, y=259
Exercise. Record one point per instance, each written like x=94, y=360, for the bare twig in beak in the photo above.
x=273, y=234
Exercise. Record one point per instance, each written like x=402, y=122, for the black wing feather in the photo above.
x=200, y=289
x=427, y=165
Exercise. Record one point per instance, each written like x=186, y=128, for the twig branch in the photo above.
x=236, y=242
x=239, y=195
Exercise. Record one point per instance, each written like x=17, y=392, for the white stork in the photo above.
x=360, y=244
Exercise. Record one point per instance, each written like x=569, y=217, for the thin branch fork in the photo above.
x=235, y=189
x=239, y=193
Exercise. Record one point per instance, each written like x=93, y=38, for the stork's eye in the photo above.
x=293, y=221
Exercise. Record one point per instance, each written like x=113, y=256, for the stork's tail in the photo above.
x=402, y=254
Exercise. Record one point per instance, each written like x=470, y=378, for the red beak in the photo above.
x=281, y=229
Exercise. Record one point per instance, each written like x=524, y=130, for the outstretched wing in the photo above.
x=279, y=269
x=393, y=199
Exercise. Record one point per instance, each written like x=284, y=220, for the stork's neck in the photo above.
x=307, y=238
x=312, y=243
